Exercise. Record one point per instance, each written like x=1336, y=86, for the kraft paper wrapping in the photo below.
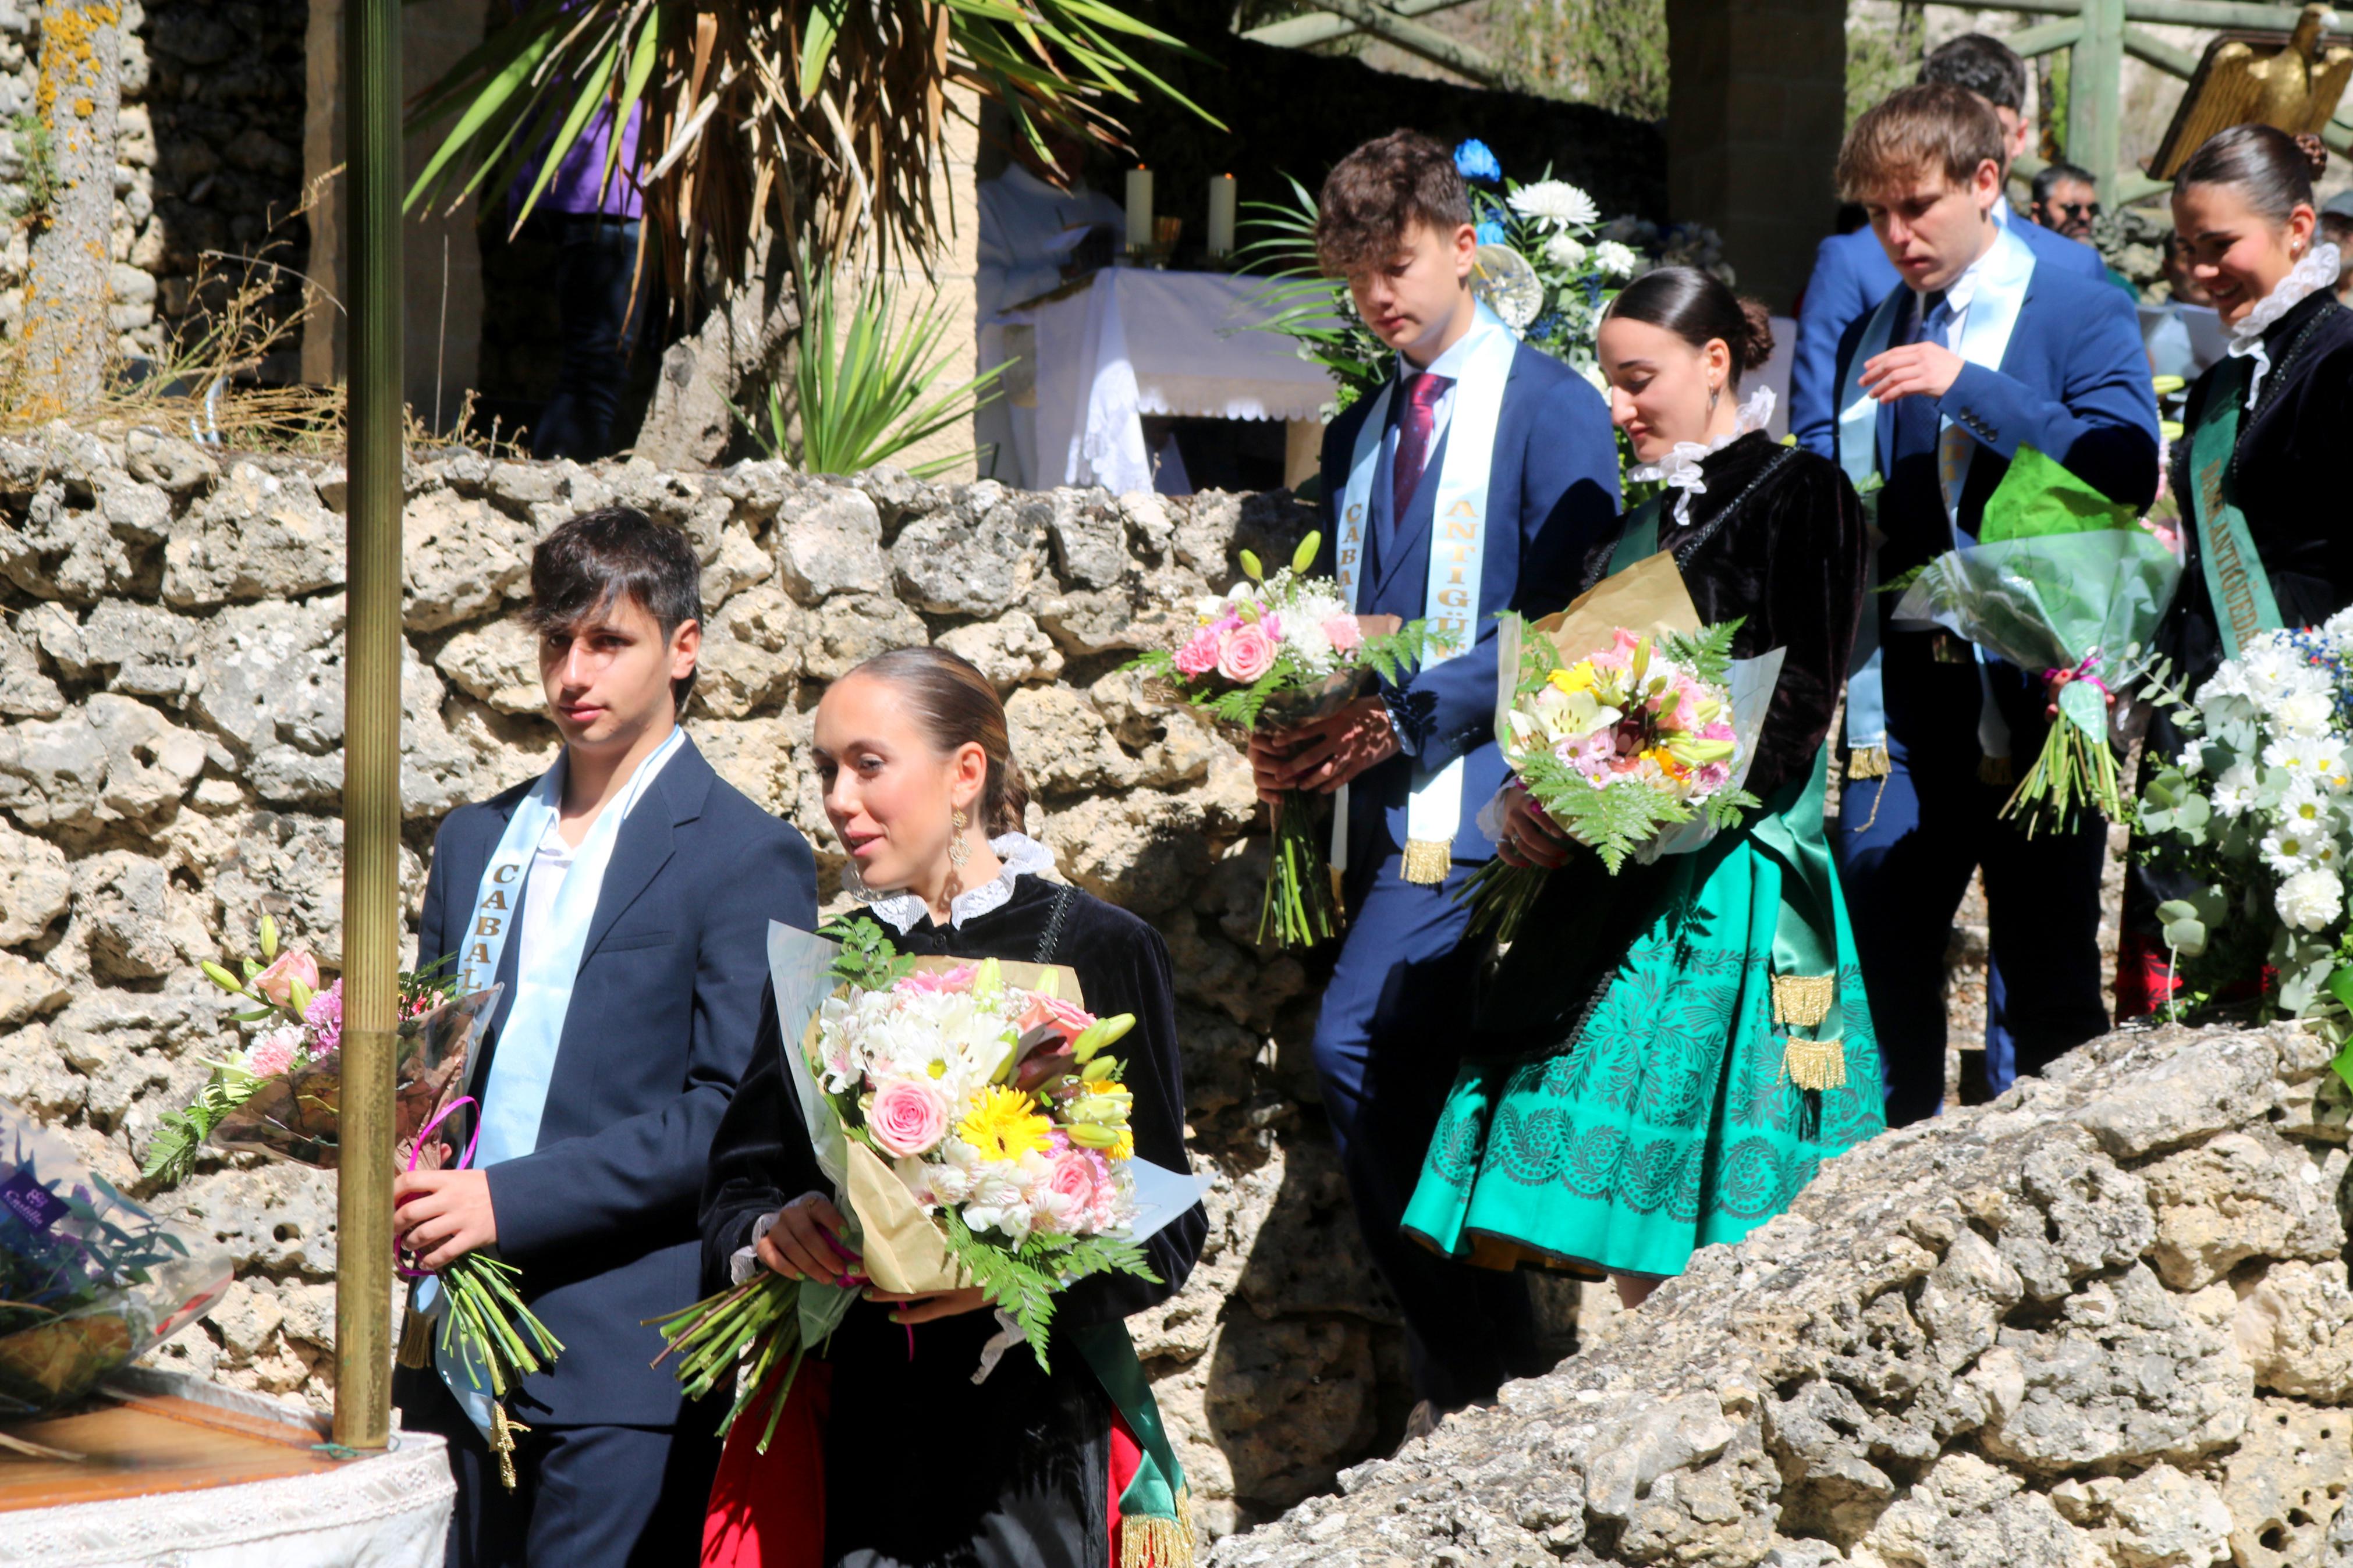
x=905, y=1249
x=1648, y=597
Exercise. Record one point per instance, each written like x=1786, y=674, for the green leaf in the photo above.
x=823, y=23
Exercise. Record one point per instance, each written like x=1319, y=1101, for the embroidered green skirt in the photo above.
x=1675, y=1113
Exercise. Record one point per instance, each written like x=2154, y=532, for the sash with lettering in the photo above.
x=2003, y=275
x=516, y=1092
x=2235, y=579
x=1458, y=555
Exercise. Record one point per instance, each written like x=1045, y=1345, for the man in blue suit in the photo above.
x=1851, y=273
x=1980, y=350
x=623, y=899
x=1472, y=484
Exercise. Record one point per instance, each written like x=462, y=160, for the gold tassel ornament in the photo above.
x=1868, y=763
x=502, y=1443
x=416, y=1341
x=1803, y=1000
x=1428, y=860
x=1816, y=1065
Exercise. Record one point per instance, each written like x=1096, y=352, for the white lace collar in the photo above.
x=1681, y=469
x=2308, y=277
x=1021, y=855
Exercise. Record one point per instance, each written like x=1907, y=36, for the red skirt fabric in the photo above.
x=768, y=1510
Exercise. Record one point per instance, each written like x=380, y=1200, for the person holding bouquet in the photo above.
x=1472, y=484
x=923, y=1465
x=1981, y=351
x=623, y=899
x=2265, y=429
x=1665, y=1055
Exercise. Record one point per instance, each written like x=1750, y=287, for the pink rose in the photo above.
x=1083, y=1177
x=1345, y=634
x=923, y=982
x=1067, y=1016
x=277, y=982
x=1248, y=654
x=909, y=1116
x=1199, y=653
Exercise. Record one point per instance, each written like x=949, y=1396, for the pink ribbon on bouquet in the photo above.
x=416, y=1151
x=2083, y=671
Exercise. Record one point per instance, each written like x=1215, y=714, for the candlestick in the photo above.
x=1221, y=214
x=1139, y=208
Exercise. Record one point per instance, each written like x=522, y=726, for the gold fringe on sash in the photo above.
x=1803, y=1000
x=1816, y=1065
x=1148, y=1541
x=416, y=1341
x=1427, y=861
x=1867, y=763
x=1997, y=772
x=502, y=1430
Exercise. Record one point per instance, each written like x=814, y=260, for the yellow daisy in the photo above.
x=1004, y=1124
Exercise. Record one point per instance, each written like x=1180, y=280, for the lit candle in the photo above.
x=1139, y=208
x=1221, y=214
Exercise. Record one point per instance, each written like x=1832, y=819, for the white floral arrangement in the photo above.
x=2254, y=814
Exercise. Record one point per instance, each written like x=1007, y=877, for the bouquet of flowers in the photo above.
x=2067, y=583
x=89, y=1280
x=1276, y=652
x=281, y=1093
x=975, y=1128
x=1633, y=734
x=2256, y=815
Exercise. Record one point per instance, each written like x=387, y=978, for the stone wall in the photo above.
x=209, y=157
x=171, y=714
x=2101, y=1323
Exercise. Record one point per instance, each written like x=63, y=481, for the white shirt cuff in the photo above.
x=744, y=1261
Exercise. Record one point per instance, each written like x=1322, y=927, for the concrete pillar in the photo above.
x=1755, y=107
x=444, y=263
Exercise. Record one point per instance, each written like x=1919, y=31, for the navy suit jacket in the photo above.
x=602, y=1216
x=1852, y=274
x=1552, y=493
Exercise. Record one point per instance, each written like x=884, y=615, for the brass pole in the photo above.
x=371, y=726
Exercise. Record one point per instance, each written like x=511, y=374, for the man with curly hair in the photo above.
x=1471, y=483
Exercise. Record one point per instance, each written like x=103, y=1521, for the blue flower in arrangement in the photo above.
x=1474, y=160
x=1492, y=233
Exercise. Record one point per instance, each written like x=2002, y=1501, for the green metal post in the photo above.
x=2094, y=86
x=371, y=725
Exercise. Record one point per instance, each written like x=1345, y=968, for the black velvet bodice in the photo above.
x=2284, y=475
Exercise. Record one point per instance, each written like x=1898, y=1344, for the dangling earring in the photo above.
x=959, y=848
x=1713, y=393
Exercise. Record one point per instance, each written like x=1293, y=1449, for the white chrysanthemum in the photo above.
x=2310, y=900
x=2305, y=805
x=2338, y=628
x=2234, y=792
x=2309, y=711
x=2192, y=759
x=1557, y=203
x=1616, y=260
x=1565, y=251
x=2297, y=754
x=2288, y=849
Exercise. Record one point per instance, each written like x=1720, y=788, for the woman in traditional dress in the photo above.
x=1665, y=1056
x=924, y=1468
x=2259, y=472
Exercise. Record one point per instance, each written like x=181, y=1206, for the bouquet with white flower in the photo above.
x=2256, y=814
x=1278, y=651
x=280, y=1094
x=975, y=1129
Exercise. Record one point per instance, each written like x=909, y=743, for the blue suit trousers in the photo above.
x=1396, y=1017
x=1907, y=845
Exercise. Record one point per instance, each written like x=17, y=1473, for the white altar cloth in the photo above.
x=1136, y=343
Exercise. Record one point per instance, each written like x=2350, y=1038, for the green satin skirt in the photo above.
x=1674, y=1117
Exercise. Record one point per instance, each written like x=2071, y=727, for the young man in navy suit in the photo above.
x=1473, y=483
x=1981, y=350
x=1851, y=273
x=623, y=899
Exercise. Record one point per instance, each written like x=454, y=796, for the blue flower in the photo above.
x=1473, y=160
x=1492, y=233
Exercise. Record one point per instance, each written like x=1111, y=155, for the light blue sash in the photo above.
x=1458, y=552
x=515, y=1094
x=2003, y=275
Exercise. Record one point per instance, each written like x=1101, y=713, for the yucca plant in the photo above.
x=864, y=385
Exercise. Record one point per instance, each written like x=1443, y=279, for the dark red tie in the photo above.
x=1422, y=391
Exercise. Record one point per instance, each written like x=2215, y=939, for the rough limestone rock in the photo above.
x=1977, y=1340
